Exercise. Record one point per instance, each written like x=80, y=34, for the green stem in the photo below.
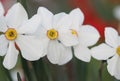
x=41, y=70
x=18, y=77
x=28, y=70
x=100, y=70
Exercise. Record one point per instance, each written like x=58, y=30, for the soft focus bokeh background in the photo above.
x=99, y=13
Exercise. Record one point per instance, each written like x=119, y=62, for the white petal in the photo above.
x=44, y=45
x=102, y=52
x=116, y=12
x=67, y=38
x=3, y=45
x=16, y=16
x=77, y=18
x=65, y=56
x=11, y=56
x=30, y=47
x=64, y=23
x=117, y=69
x=46, y=16
x=119, y=41
x=111, y=37
x=1, y=9
x=3, y=25
x=58, y=54
x=82, y=53
x=114, y=66
x=57, y=18
x=88, y=35
x=30, y=26
x=42, y=36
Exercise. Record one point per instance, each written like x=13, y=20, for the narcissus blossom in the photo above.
x=87, y=35
x=56, y=36
x=111, y=48
x=17, y=32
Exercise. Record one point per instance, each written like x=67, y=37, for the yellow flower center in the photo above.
x=74, y=32
x=52, y=34
x=118, y=50
x=11, y=34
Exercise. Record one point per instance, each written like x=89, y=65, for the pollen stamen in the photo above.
x=11, y=34
x=74, y=32
x=118, y=50
x=52, y=34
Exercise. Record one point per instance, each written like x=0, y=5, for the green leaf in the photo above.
x=4, y=73
x=28, y=70
x=18, y=77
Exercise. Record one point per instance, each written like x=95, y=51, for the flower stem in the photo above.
x=28, y=70
x=18, y=77
x=100, y=70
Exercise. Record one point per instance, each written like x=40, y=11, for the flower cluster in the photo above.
x=54, y=36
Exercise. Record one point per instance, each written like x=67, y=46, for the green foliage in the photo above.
x=18, y=77
x=4, y=73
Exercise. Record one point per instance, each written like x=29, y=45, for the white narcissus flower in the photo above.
x=110, y=49
x=86, y=34
x=56, y=36
x=16, y=31
x=1, y=9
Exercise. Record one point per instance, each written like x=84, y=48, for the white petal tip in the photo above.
x=42, y=9
x=18, y=5
x=84, y=59
x=110, y=28
x=9, y=67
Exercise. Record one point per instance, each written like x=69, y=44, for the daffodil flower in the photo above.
x=111, y=48
x=56, y=37
x=87, y=35
x=17, y=33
